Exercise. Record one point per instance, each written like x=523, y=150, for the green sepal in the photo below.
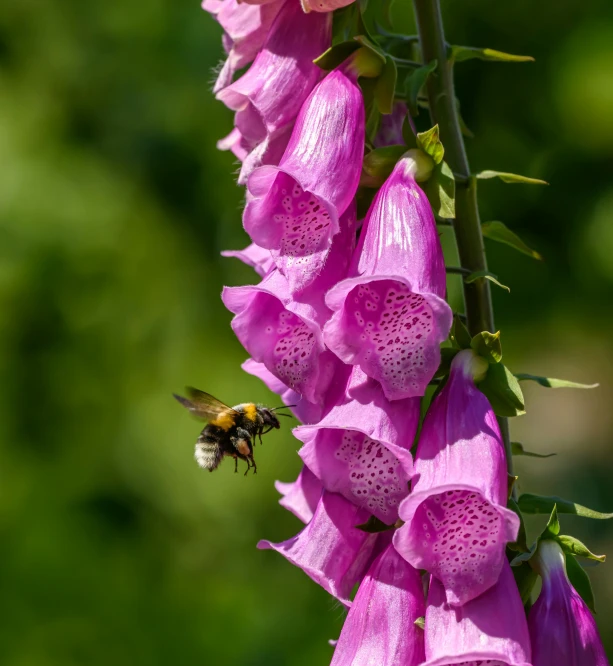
x=535, y=504
x=336, y=54
x=347, y=22
x=497, y=231
x=551, y=531
x=430, y=142
x=459, y=335
x=414, y=82
x=517, y=449
x=485, y=275
x=521, y=543
x=580, y=581
x=386, y=86
x=503, y=391
x=440, y=190
x=420, y=622
x=379, y=164
x=462, y=53
x=488, y=346
x=572, y=546
x=373, y=525
x=510, y=178
x=525, y=577
x=550, y=382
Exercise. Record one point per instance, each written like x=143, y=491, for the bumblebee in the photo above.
x=230, y=431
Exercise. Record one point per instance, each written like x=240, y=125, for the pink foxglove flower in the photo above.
x=269, y=95
x=257, y=257
x=456, y=520
x=324, y=5
x=380, y=628
x=489, y=630
x=295, y=208
x=284, y=333
x=330, y=549
x=302, y=496
x=361, y=447
x=390, y=315
x=390, y=130
x=562, y=629
x=246, y=28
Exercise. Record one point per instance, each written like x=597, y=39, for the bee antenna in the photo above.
x=282, y=414
x=282, y=407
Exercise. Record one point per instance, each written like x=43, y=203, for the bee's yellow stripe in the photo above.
x=224, y=421
x=250, y=411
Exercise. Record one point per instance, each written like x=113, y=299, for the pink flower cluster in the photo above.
x=346, y=323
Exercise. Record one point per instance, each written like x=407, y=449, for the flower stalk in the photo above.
x=467, y=224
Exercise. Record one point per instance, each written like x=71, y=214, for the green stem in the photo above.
x=467, y=225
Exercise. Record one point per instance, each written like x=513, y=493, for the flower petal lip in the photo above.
x=330, y=550
x=380, y=627
x=301, y=496
x=270, y=94
x=324, y=5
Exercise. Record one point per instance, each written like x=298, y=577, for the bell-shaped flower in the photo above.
x=330, y=549
x=562, y=628
x=361, y=447
x=456, y=520
x=283, y=334
x=390, y=315
x=324, y=5
x=380, y=628
x=246, y=28
x=269, y=95
x=390, y=130
x=302, y=496
x=295, y=209
x=489, y=630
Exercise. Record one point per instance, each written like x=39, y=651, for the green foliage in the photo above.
x=499, y=232
x=415, y=82
x=517, y=449
x=529, y=503
x=462, y=53
x=386, y=86
x=503, y=391
x=379, y=164
x=431, y=144
x=485, y=275
x=580, y=581
x=440, y=190
x=510, y=178
x=550, y=382
x=488, y=346
x=459, y=334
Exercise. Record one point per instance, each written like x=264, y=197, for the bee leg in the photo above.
x=248, y=467
x=253, y=465
x=235, y=464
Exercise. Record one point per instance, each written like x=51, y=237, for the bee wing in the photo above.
x=203, y=405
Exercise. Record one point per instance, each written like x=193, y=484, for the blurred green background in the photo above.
x=114, y=205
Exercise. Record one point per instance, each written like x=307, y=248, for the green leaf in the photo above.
x=373, y=525
x=510, y=178
x=430, y=142
x=580, y=581
x=386, y=87
x=485, y=275
x=379, y=164
x=462, y=53
x=535, y=504
x=517, y=449
x=550, y=382
x=440, y=190
x=415, y=82
x=526, y=578
x=336, y=54
x=488, y=346
x=572, y=546
x=497, y=231
x=459, y=333
x=503, y=391
x=372, y=47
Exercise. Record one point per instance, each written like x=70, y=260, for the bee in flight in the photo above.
x=230, y=431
